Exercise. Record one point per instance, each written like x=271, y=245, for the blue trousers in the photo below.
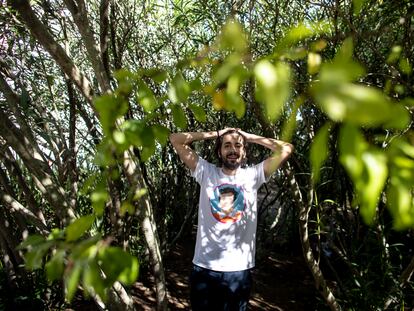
x=219, y=291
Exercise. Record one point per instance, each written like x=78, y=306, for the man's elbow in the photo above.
x=174, y=138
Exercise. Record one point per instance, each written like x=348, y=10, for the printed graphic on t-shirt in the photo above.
x=228, y=203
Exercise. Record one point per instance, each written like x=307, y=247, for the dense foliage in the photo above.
x=91, y=190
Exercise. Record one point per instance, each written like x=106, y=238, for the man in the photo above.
x=226, y=234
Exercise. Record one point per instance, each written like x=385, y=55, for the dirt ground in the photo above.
x=281, y=283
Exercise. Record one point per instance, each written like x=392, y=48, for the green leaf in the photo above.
x=400, y=202
x=161, y=133
x=395, y=54
x=158, y=75
x=405, y=66
x=301, y=32
x=148, y=150
x=233, y=37
x=199, y=112
x=367, y=168
x=118, y=265
x=290, y=125
x=123, y=75
x=77, y=228
x=32, y=241
x=356, y=104
x=273, y=86
x=87, y=184
x=99, y=198
x=180, y=120
x=179, y=89
x=110, y=107
x=373, y=183
x=55, y=266
x=358, y=4
x=127, y=207
x=134, y=132
x=72, y=280
x=319, y=151
x=34, y=257
x=399, y=117
x=314, y=62
x=145, y=97
x=351, y=146
x=92, y=278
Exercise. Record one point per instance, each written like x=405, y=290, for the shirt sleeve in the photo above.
x=198, y=173
x=259, y=174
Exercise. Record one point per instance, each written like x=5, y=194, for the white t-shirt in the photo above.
x=227, y=217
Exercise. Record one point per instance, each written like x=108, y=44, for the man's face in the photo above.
x=232, y=151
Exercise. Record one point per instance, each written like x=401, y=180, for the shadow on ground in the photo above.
x=281, y=283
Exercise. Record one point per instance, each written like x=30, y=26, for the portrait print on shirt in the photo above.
x=228, y=203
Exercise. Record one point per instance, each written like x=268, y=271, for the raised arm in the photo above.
x=280, y=151
x=182, y=141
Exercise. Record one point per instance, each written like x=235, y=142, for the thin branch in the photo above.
x=42, y=34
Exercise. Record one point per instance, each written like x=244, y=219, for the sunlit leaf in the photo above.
x=230, y=67
x=110, y=108
x=180, y=120
x=358, y=4
x=118, y=265
x=314, y=62
x=140, y=193
x=219, y=100
x=273, y=86
x=399, y=117
x=199, y=112
x=290, y=125
x=395, y=54
x=300, y=32
x=127, y=207
x=134, y=131
x=34, y=257
x=55, y=266
x=367, y=168
x=72, y=280
x=77, y=228
x=99, y=198
x=145, y=97
x=352, y=145
x=401, y=203
x=356, y=104
x=370, y=189
x=92, y=278
x=179, y=89
x=319, y=151
x=405, y=66
x=233, y=37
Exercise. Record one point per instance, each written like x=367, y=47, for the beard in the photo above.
x=229, y=164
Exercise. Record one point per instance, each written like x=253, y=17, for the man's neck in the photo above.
x=228, y=171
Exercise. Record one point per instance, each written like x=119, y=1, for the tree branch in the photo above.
x=42, y=34
x=80, y=17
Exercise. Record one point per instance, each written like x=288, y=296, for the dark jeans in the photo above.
x=217, y=291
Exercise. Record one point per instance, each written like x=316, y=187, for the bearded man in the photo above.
x=226, y=241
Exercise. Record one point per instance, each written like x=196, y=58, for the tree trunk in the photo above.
x=313, y=265
x=149, y=228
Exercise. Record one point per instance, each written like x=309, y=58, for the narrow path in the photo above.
x=281, y=283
